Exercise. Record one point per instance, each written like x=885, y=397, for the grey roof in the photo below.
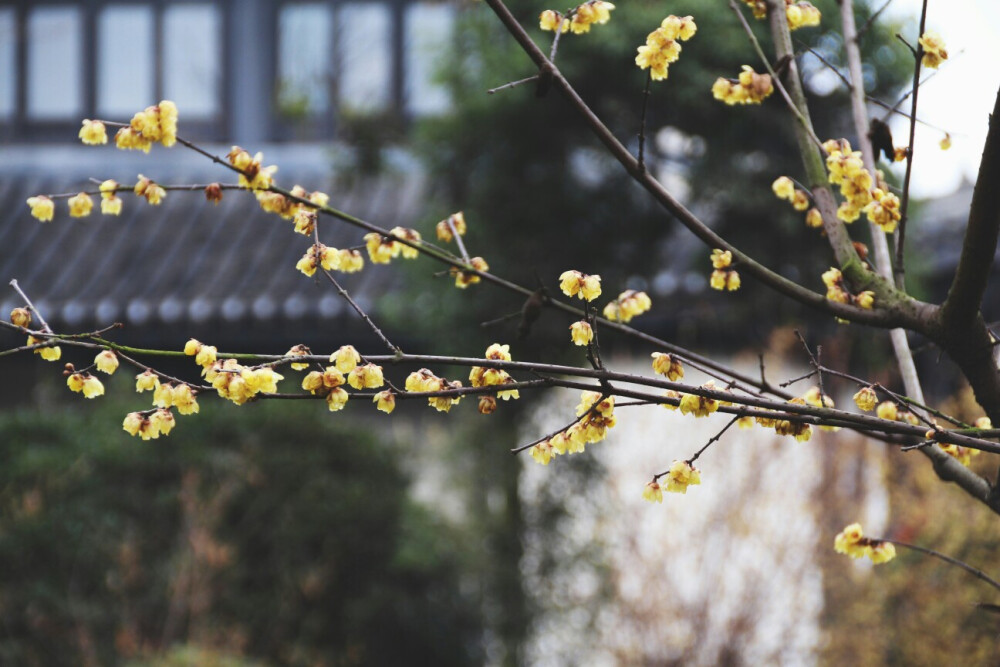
x=186, y=261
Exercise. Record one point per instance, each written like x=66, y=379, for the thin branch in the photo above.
x=31, y=306
x=512, y=84
x=714, y=438
x=979, y=574
x=871, y=19
x=806, y=125
x=642, y=123
x=368, y=320
x=904, y=206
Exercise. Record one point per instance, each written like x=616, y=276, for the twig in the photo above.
x=642, y=123
x=512, y=84
x=775, y=79
x=871, y=19
x=714, y=438
x=354, y=304
x=31, y=306
x=979, y=574
x=905, y=203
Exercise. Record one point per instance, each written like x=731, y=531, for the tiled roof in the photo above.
x=187, y=261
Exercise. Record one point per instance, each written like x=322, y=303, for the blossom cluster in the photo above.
x=679, y=477
x=799, y=14
x=577, y=20
x=852, y=542
x=836, y=290
x=862, y=193
x=154, y=124
x=933, y=48
x=629, y=304
x=596, y=416
x=493, y=377
x=668, y=365
x=574, y=283
x=663, y=45
x=724, y=277
x=748, y=88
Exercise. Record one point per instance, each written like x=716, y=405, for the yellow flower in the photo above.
x=814, y=218
x=412, y=235
x=385, y=401
x=783, y=188
x=106, y=362
x=745, y=422
x=206, y=355
x=721, y=259
x=336, y=399
x=458, y=219
x=152, y=191
x=111, y=206
x=305, y=221
x=801, y=15
x=574, y=283
x=887, y=410
x=682, y=475
x=699, y=406
x=42, y=208
x=542, y=452
x=128, y=139
x=800, y=200
x=368, y=376
x=50, y=353
x=146, y=381
x=346, y=358
x=80, y=205
x=984, y=423
x=20, y=317
x=184, y=400
x=866, y=399
x=883, y=210
x=865, y=299
x=163, y=396
x=381, y=249
x=850, y=541
x=589, y=13
x=665, y=364
x=85, y=383
x=934, y=51
x=93, y=132
x=549, y=21
x=75, y=382
x=670, y=393
x=133, y=423
x=882, y=552
x=351, y=261
x=749, y=88
x=581, y=333
x=298, y=351
x=899, y=153
x=465, y=278
x=653, y=492
x=945, y=143
x=718, y=280
x=163, y=421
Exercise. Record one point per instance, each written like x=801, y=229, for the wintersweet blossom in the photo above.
x=934, y=50
x=42, y=208
x=663, y=46
x=653, y=492
x=866, y=399
x=852, y=542
x=20, y=317
x=93, y=133
x=457, y=220
x=80, y=205
x=346, y=358
x=465, y=278
x=682, y=475
x=629, y=304
x=385, y=401
x=106, y=362
x=575, y=283
x=666, y=364
x=749, y=88
x=581, y=333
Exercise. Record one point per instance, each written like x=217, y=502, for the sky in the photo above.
x=959, y=98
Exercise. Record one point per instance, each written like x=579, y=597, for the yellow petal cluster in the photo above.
x=80, y=205
x=749, y=88
x=866, y=399
x=934, y=50
x=425, y=381
x=723, y=277
x=42, y=208
x=581, y=333
x=653, y=492
x=852, y=542
x=682, y=475
x=457, y=221
x=111, y=203
x=629, y=304
x=86, y=384
x=154, y=124
x=574, y=283
x=494, y=377
x=579, y=19
x=368, y=376
x=252, y=175
x=50, y=353
x=801, y=15
x=93, y=133
x=106, y=362
x=667, y=365
x=240, y=384
x=385, y=401
x=663, y=45
x=465, y=278
x=699, y=406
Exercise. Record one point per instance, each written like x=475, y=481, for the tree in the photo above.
x=863, y=289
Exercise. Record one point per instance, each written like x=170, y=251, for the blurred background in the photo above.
x=277, y=533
